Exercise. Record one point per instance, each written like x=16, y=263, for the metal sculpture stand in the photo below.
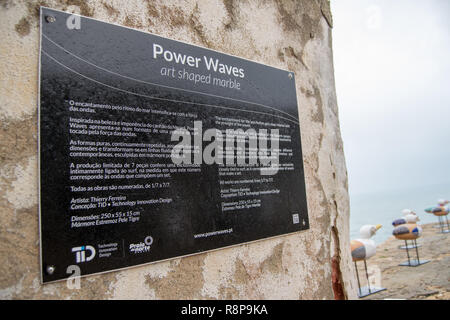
x=410, y=246
x=442, y=225
x=413, y=262
x=367, y=290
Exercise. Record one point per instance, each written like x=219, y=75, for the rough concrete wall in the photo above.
x=294, y=35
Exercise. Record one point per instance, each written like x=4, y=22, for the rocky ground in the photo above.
x=427, y=281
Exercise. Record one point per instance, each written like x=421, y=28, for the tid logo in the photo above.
x=80, y=253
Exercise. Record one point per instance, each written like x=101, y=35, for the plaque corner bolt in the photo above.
x=50, y=270
x=290, y=75
x=50, y=19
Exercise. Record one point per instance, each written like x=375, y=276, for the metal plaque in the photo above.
x=152, y=148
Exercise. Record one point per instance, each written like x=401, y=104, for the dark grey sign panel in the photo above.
x=152, y=148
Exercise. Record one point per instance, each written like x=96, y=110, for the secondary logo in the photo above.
x=141, y=247
x=80, y=253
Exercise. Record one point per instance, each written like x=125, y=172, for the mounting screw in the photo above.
x=50, y=270
x=290, y=75
x=50, y=19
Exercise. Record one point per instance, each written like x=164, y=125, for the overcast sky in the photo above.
x=392, y=65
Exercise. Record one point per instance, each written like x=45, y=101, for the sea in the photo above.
x=384, y=207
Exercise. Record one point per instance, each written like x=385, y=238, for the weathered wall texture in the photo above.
x=294, y=35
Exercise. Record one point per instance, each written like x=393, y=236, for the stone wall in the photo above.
x=293, y=35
